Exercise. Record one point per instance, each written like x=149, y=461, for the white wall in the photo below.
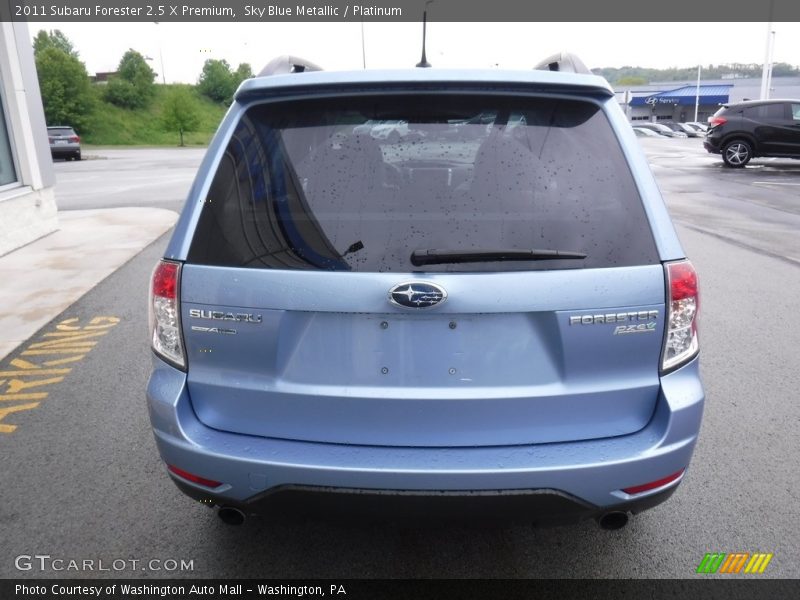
x=27, y=207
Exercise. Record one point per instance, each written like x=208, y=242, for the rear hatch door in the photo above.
x=305, y=316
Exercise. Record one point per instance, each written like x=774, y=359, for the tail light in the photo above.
x=74, y=139
x=646, y=487
x=194, y=478
x=165, y=323
x=50, y=140
x=681, y=343
x=714, y=121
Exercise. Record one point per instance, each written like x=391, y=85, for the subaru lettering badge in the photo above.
x=417, y=294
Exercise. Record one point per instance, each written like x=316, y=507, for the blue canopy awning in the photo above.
x=686, y=96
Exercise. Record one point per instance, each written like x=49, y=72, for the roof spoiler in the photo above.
x=565, y=62
x=283, y=65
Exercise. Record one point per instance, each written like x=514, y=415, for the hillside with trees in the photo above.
x=642, y=75
x=130, y=109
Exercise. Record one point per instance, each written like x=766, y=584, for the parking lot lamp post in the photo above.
x=697, y=94
x=161, y=58
x=766, y=70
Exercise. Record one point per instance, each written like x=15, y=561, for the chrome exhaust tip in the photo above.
x=613, y=520
x=231, y=515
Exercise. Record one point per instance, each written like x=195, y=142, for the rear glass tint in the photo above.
x=360, y=183
x=60, y=131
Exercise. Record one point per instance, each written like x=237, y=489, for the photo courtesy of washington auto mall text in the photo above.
x=155, y=590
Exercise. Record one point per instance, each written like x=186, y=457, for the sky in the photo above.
x=182, y=48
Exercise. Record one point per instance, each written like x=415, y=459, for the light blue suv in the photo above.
x=490, y=308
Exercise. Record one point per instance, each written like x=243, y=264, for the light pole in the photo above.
x=363, y=46
x=161, y=58
x=769, y=71
x=697, y=95
x=766, y=71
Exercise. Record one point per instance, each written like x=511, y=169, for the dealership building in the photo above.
x=27, y=198
x=676, y=100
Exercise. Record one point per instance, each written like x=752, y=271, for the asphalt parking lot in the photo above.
x=757, y=207
x=87, y=483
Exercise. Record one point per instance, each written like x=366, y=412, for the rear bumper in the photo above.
x=65, y=150
x=555, y=482
x=536, y=506
x=711, y=145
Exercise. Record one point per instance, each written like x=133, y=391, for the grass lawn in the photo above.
x=115, y=126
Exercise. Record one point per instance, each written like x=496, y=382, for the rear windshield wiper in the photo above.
x=438, y=257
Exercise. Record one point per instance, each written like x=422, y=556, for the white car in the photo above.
x=642, y=132
x=391, y=131
x=662, y=129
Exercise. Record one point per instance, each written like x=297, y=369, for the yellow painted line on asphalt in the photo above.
x=62, y=361
x=37, y=372
x=14, y=386
x=4, y=412
x=55, y=351
x=22, y=376
x=63, y=344
x=34, y=396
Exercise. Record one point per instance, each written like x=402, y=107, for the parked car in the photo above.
x=507, y=320
x=662, y=129
x=392, y=131
x=701, y=127
x=745, y=130
x=682, y=127
x=64, y=143
x=645, y=132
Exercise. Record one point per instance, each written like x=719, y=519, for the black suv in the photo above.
x=755, y=128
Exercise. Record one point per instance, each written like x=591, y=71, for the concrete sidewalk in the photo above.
x=40, y=280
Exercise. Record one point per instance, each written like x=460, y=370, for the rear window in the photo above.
x=60, y=131
x=361, y=183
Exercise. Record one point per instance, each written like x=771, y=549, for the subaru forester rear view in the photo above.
x=489, y=303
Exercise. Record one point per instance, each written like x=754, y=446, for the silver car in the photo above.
x=64, y=143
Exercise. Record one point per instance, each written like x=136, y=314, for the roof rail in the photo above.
x=288, y=64
x=566, y=62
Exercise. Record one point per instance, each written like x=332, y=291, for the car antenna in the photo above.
x=424, y=64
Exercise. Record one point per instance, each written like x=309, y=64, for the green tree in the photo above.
x=66, y=92
x=133, y=86
x=781, y=69
x=631, y=80
x=180, y=111
x=216, y=81
x=621, y=75
x=53, y=39
x=242, y=72
x=121, y=92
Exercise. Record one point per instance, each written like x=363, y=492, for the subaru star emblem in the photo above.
x=417, y=294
